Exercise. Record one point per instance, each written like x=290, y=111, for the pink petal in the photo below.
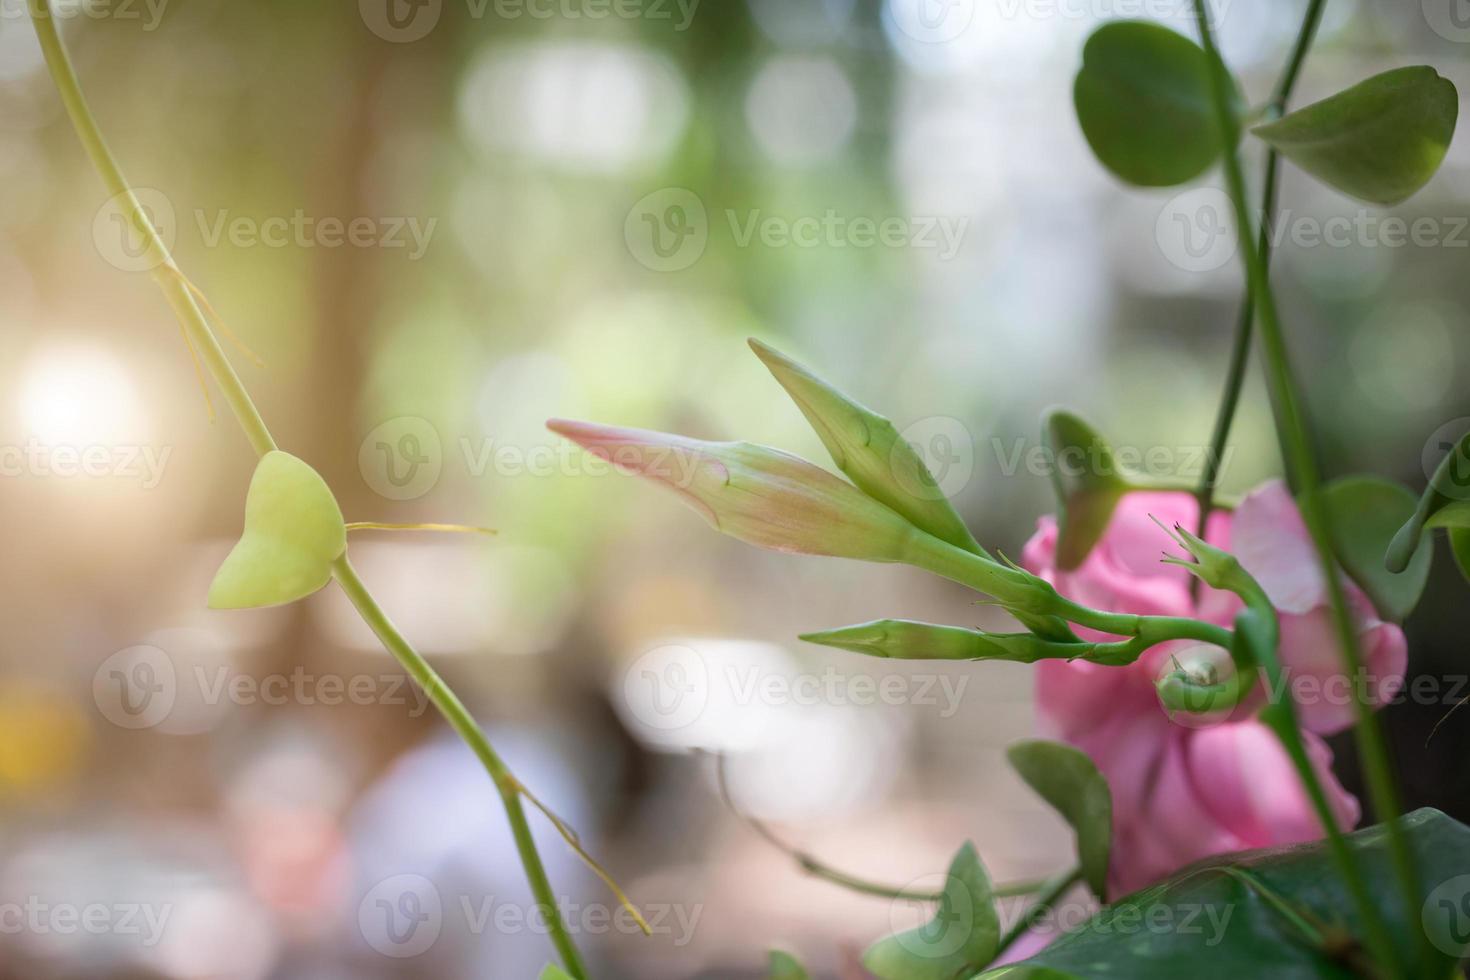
x=1271, y=541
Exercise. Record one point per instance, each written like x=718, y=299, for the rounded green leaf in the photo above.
x=961, y=939
x=1366, y=513
x=293, y=533
x=1066, y=778
x=1380, y=140
x=1143, y=99
x=1089, y=482
x=554, y=972
x=1460, y=545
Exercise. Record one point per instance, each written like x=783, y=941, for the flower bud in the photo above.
x=872, y=453
x=762, y=496
x=902, y=639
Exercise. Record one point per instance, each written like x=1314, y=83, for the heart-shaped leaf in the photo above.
x=293, y=533
x=784, y=966
x=1366, y=513
x=1067, y=779
x=1143, y=99
x=554, y=972
x=961, y=939
x=1281, y=912
x=1380, y=140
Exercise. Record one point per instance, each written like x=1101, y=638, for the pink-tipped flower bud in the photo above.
x=762, y=496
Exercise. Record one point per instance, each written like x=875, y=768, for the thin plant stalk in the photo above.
x=202, y=339
x=1296, y=448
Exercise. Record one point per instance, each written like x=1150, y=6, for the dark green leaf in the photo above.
x=1460, y=545
x=961, y=939
x=1143, y=99
x=1366, y=512
x=784, y=966
x=1380, y=140
x=1023, y=972
x=1445, y=503
x=1269, y=913
x=1066, y=778
x=1089, y=483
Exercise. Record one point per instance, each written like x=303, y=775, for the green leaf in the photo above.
x=784, y=966
x=554, y=972
x=1270, y=913
x=1460, y=545
x=293, y=533
x=961, y=939
x=1089, y=482
x=1021, y=971
x=1143, y=99
x=1067, y=779
x=1444, y=503
x=1366, y=512
x=1380, y=140
x=870, y=450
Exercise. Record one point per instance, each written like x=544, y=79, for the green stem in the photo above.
x=1292, y=432
x=1054, y=889
x=459, y=717
x=1240, y=349
x=199, y=334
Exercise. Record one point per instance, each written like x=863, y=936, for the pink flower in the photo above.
x=1183, y=793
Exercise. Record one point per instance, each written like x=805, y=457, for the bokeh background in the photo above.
x=440, y=223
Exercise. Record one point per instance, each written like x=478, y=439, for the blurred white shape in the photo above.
x=818, y=764
x=802, y=22
x=519, y=394
x=584, y=106
x=215, y=934
x=456, y=597
x=801, y=109
x=80, y=395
